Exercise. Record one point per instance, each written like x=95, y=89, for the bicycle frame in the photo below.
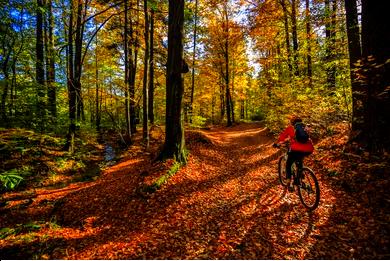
x=306, y=189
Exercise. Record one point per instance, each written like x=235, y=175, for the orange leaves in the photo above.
x=219, y=206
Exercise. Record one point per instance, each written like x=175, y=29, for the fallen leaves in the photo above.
x=226, y=203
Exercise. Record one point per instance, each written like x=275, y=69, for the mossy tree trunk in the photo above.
x=174, y=146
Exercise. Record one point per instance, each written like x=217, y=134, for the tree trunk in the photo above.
x=222, y=98
x=193, y=61
x=294, y=36
x=330, y=27
x=12, y=94
x=127, y=72
x=97, y=106
x=151, y=69
x=133, y=57
x=308, y=43
x=227, y=76
x=39, y=67
x=232, y=92
x=145, y=129
x=78, y=61
x=242, y=110
x=355, y=55
x=4, y=95
x=51, y=88
x=287, y=35
x=4, y=98
x=174, y=146
x=376, y=74
x=71, y=87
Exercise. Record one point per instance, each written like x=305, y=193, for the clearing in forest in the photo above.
x=226, y=203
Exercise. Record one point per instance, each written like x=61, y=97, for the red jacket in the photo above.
x=289, y=133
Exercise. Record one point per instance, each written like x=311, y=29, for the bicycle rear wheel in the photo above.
x=282, y=170
x=309, y=190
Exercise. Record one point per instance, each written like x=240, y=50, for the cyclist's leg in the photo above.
x=299, y=164
x=299, y=161
x=289, y=162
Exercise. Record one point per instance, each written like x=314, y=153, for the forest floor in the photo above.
x=226, y=203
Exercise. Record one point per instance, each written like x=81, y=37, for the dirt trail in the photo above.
x=226, y=203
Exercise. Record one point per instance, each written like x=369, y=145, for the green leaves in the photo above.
x=10, y=179
x=152, y=4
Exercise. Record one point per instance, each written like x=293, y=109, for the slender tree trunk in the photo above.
x=13, y=89
x=355, y=54
x=227, y=76
x=151, y=69
x=174, y=146
x=193, y=60
x=222, y=97
x=145, y=132
x=213, y=102
x=330, y=38
x=242, y=110
x=287, y=35
x=70, y=83
x=232, y=92
x=4, y=95
x=308, y=43
x=127, y=72
x=4, y=67
x=97, y=103
x=133, y=56
x=294, y=36
x=40, y=63
x=333, y=40
x=51, y=88
x=77, y=61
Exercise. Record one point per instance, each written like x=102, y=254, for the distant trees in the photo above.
x=62, y=62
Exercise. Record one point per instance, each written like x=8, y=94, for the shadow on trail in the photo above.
x=355, y=229
x=115, y=222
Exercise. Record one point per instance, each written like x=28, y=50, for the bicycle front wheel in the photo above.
x=309, y=190
x=282, y=170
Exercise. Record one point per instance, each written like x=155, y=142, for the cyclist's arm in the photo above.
x=287, y=134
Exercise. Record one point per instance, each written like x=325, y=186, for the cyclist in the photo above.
x=297, y=150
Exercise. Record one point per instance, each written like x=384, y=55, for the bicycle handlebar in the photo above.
x=285, y=144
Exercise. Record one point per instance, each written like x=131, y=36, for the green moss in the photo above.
x=172, y=171
x=161, y=180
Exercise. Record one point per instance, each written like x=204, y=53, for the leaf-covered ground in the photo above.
x=226, y=203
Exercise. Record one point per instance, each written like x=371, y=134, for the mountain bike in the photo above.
x=304, y=179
